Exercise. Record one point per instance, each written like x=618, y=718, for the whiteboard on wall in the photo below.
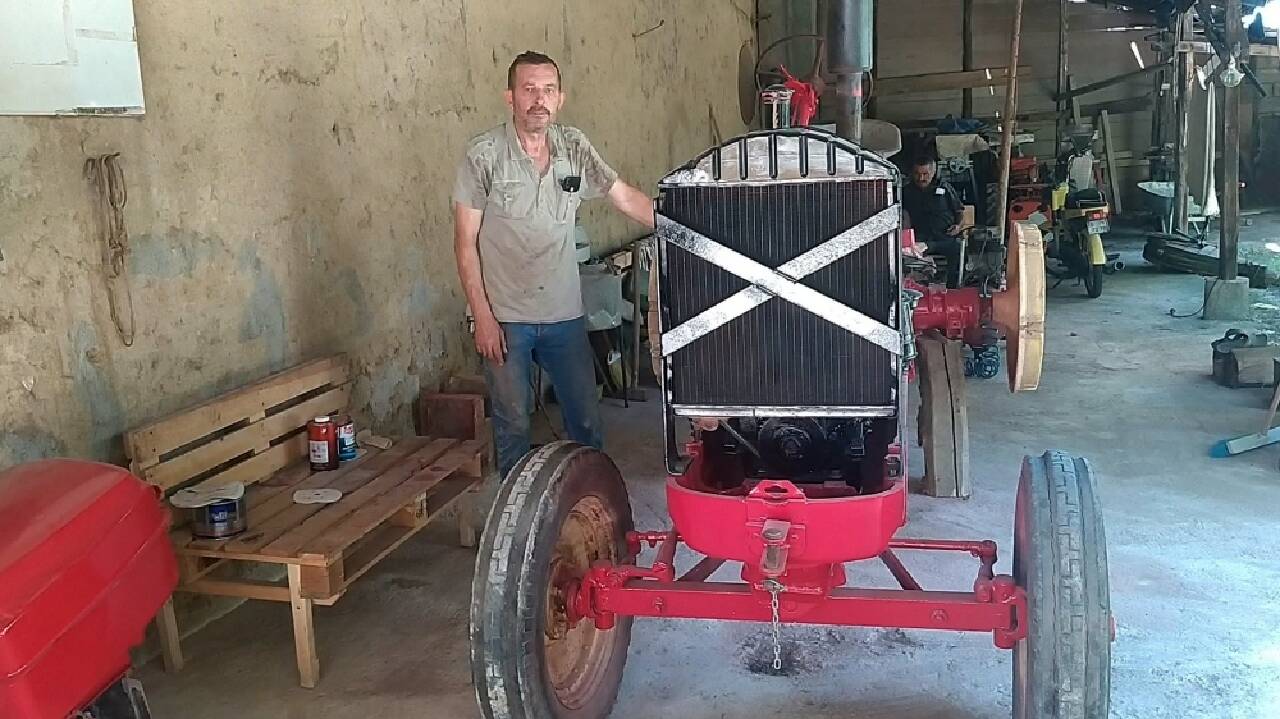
x=66, y=57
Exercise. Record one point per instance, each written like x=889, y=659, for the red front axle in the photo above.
x=995, y=604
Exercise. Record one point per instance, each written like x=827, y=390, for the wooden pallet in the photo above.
x=388, y=496
x=256, y=435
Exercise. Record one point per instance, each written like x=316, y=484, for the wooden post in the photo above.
x=304, y=631
x=944, y=417
x=1230, y=226
x=966, y=108
x=1010, y=112
x=1161, y=98
x=1186, y=81
x=1064, y=83
x=1104, y=119
x=1074, y=102
x=170, y=644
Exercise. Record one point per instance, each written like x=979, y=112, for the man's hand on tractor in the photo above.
x=491, y=342
x=954, y=230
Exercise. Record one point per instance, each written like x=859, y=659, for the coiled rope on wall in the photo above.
x=111, y=195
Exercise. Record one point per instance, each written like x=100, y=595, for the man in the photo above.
x=935, y=211
x=515, y=202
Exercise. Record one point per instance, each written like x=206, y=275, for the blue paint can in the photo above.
x=219, y=520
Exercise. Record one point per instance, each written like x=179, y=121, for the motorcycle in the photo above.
x=1081, y=217
x=1081, y=220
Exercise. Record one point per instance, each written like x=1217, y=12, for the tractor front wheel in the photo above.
x=563, y=508
x=1062, y=669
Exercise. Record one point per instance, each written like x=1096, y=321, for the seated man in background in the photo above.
x=935, y=212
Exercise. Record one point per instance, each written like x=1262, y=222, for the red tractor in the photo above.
x=787, y=336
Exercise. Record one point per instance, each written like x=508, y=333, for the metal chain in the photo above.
x=774, y=588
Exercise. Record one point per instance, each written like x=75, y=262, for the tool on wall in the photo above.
x=104, y=173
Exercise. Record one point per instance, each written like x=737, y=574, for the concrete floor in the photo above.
x=1125, y=384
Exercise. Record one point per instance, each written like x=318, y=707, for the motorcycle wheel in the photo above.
x=1093, y=280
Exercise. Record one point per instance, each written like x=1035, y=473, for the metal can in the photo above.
x=346, y=437
x=322, y=442
x=219, y=520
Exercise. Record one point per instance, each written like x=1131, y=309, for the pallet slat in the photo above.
x=261, y=466
x=365, y=554
x=265, y=508
x=147, y=443
x=367, y=518
x=181, y=468
x=286, y=516
x=338, y=516
x=240, y=588
x=376, y=545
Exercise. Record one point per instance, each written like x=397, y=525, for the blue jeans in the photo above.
x=563, y=352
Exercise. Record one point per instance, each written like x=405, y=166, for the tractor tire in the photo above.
x=563, y=507
x=1062, y=669
x=1093, y=280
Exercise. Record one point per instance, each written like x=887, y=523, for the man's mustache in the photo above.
x=538, y=111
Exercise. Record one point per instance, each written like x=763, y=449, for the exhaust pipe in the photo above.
x=850, y=26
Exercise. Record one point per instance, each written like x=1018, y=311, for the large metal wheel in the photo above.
x=1062, y=669
x=561, y=509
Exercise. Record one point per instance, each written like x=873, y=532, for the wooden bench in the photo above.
x=257, y=435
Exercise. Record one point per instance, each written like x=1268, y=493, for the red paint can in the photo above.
x=322, y=441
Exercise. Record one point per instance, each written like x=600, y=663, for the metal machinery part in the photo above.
x=1017, y=311
x=739, y=272
x=850, y=51
x=777, y=106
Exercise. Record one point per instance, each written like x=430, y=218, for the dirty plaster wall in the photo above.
x=288, y=194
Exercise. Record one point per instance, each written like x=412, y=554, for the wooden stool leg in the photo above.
x=466, y=532
x=466, y=528
x=304, y=630
x=170, y=644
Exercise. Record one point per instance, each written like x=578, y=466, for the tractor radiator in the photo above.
x=778, y=358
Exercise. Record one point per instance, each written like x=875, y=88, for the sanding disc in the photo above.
x=317, y=496
x=1019, y=310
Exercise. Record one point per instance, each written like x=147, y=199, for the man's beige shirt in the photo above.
x=527, y=255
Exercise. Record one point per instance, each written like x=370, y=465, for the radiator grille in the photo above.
x=779, y=355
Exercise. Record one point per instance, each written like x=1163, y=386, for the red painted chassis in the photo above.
x=800, y=541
